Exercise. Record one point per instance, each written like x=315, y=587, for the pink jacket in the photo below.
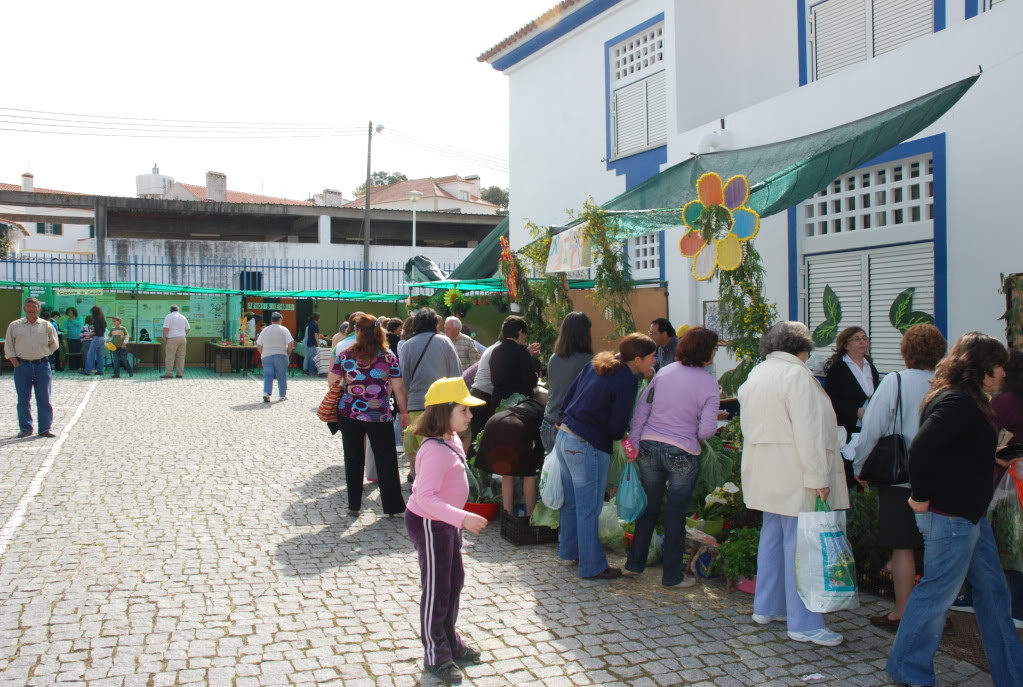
x=441, y=487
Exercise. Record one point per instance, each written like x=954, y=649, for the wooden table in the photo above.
x=234, y=353
x=154, y=346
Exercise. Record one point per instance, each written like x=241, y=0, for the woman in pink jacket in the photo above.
x=434, y=518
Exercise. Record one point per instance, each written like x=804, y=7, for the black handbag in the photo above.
x=888, y=463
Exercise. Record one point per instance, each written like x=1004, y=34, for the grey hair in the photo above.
x=787, y=337
x=455, y=321
x=174, y=308
x=276, y=317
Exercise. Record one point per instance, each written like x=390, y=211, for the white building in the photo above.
x=604, y=94
x=43, y=236
x=441, y=194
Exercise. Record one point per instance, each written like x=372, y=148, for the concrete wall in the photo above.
x=557, y=128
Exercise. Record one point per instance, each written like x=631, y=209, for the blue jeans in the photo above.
x=29, y=377
x=956, y=549
x=121, y=360
x=309, y=364
x=660, y=463
x=776, y=593
x=94, y=359
x=275, y=367
x=548, y=434
x=584, y=479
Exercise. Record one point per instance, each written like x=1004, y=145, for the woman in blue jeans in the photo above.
x=597, y=411
x=97, y=344
x=952, y=464
x=674, y=414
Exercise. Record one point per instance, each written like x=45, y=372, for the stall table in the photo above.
x=154, y=346
x=238, y=355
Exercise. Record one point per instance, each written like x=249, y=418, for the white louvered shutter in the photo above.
x=657, y=110
x=896, y=22
x=839, y=35
x=892, y=272
x=630, y=119
x=844, y=273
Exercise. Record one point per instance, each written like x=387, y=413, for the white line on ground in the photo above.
x=18, y=516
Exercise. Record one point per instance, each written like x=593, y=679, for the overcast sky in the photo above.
x=408, y=65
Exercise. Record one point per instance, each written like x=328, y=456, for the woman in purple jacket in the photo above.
x=676, y=412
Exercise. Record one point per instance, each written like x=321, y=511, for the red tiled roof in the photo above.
x=17, y=224
x=428, y=187
x=544, y=21
x=243, y=197
x=17, y=187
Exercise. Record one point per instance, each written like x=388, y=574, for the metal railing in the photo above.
x=264, y=274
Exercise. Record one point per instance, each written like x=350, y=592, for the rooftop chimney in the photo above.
x=474, y=179
x=27, y=182
x=332, y=198
x=216, y=187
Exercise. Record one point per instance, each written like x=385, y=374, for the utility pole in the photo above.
x=365, y=215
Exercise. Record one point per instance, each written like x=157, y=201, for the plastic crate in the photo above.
x=518, y=531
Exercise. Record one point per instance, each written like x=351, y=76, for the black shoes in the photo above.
x=24, y=435
x=448, y=673
x=48, y=434
x=468, y=656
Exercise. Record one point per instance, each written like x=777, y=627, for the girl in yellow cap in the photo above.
x=434, y=518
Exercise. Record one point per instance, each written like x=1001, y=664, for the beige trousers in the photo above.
x=174, y=355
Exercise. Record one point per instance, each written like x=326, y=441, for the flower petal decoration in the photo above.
x=729, y=252
x=691, y=244
x=747, y=223
x=691, y=212
x=709, y=189
x=705, y=264
x=736, y=192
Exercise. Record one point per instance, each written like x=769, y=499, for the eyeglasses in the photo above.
x=865, y=339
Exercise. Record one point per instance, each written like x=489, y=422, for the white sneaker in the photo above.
x=822, y=637
x=768, y=619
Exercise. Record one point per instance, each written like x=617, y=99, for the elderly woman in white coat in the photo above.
x=790, y=457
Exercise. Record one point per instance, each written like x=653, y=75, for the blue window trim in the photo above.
x=641, y=166
x=972, y=8
x=804, y=74
x=548, y=36
x=935, y=145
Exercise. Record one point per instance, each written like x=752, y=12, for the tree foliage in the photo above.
x=381, y=178
x=496, y=195
x=611, y=279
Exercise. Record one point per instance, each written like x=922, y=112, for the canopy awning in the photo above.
x=481, y=263
x=496, y=285
x=782, y=174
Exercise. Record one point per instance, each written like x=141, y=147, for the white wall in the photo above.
x=557, y=129
x=436, y=204
x=75, y=239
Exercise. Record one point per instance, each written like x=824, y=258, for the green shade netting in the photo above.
x=481, y=263
x=781, y=174
x=496, y=285
x=149, y=287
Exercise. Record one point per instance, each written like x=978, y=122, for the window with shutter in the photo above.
x=645, y=256
x=40, y=227
x=844, y=273
x=845, y=32
x=892, y=271
x=92, y=231
x=57, y=229
x=638, y=93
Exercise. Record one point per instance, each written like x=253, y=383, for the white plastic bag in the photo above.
x=825, y=567
x=551, y=492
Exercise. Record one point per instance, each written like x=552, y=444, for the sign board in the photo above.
x=569, y=251
x=78, y=292
x=268, y=305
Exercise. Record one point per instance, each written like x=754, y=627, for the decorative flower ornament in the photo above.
x=742, y=224
x=451, y=296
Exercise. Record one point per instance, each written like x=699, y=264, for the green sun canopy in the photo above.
x=481, y=263
x=150, y=287
x=781, y=174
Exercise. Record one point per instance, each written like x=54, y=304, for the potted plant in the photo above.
x=716, y=507
x=737, y=558
x=484, y=496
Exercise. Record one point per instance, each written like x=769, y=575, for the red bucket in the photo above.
x=487, y=510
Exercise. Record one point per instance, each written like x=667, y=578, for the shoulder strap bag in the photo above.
x=888, y=462
x=416, y=366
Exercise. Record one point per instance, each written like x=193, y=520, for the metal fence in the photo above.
x=257, y=274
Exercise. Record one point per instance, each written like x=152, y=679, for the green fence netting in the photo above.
x=781, y=174
x=150, y=287
x=496, y=285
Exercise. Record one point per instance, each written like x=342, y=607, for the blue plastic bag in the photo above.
x=631, y=497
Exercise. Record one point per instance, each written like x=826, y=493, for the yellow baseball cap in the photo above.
x=451, y=390
x=682, y=329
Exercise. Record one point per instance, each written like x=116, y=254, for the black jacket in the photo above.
x=846, y=393
x=952, y=457
x=512, y=370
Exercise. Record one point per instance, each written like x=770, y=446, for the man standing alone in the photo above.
x=274, y=345
x=175, y=328
x=28, y=345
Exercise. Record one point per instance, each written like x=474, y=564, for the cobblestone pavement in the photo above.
x=182, y=532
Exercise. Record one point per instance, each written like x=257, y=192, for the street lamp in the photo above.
x=414, y=196
x=365, y=216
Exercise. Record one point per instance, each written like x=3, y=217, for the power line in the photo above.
x=171, y=127
x=123, y=135
x=153, y=119
x=113, y=127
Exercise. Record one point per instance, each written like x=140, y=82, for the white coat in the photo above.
x=789, y=439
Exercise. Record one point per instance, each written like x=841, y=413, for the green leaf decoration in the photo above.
x=824, y=334
x=901, y=314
